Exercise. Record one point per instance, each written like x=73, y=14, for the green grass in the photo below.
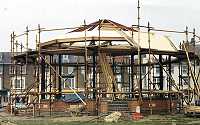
x=152, y=120
x=102, y=123
x=89, y=123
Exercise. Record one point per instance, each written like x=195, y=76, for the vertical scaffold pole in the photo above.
x=149, y=68
x=11, y=45
x=188, y=70
x=194, y=49
x=38, y=74
x=13, y=74
x=50, y=81
x=27, y=31
x=194, y=45
x=139, y=56
x=27, y=49
x=86, y=60
x=21, y=68
x=16, y=72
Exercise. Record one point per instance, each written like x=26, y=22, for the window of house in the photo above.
x=5, y=99
x=76, y=58
x=172, y=69
x=156, y=80
x=69, y=82
x=157, y=69
x=67, y=70
x=18, y=82
x=82, y=70
x=143, y=70
x=185, y=69
x=12, y=69
x=65, y=59
x=118, y=78
x=70, y=70
x=64, y=72
x=73, y=59
x=1, y=69
x=143, y=56
x=47, y=69
x=23, y=69
x=20, y=69
x=55, y=58
x=1, y=57
x=1, y=84
x=185, y=80
x=118, y=69
x=145, y=83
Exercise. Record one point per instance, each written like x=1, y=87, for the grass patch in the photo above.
x=151, y=120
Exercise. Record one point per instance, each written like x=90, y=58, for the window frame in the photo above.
x=65, y=58
x=23, y=71
x=12, y=70
x=72, y=83
x=22, y=84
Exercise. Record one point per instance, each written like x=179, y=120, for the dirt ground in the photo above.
x=7, y=119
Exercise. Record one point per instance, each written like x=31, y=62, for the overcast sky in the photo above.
x=15, y=15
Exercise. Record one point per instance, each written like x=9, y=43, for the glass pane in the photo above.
x=1, y=69
x=24, y=69
x=118, y=78
x=12, y=70
x=69, y=82
x=70, y=70
x=22, y=83
x=17, y=83
x=65, y=59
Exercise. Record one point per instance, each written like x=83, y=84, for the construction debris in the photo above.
x=76, y=109
x=192, y=110
x=113, y=117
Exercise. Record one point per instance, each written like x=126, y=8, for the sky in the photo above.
x=15, y=15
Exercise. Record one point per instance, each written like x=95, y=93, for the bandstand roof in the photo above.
x=110, y=35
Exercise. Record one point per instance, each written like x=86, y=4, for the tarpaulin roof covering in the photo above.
x=72, y=98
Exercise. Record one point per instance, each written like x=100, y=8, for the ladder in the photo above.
x=107, y=73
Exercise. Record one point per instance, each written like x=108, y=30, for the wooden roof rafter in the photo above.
x=102, y=23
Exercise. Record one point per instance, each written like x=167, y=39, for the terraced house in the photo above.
x=13, y=77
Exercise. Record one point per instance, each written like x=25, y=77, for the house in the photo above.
x=13, y=78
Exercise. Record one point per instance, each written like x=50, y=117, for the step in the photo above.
x=119, y=102
x=118, y=109
x=118, y=105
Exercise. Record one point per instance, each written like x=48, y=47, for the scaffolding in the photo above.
x=114, y=67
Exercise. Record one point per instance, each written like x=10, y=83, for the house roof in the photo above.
x=5, y=57
x=118, y=35
x=103, y=24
